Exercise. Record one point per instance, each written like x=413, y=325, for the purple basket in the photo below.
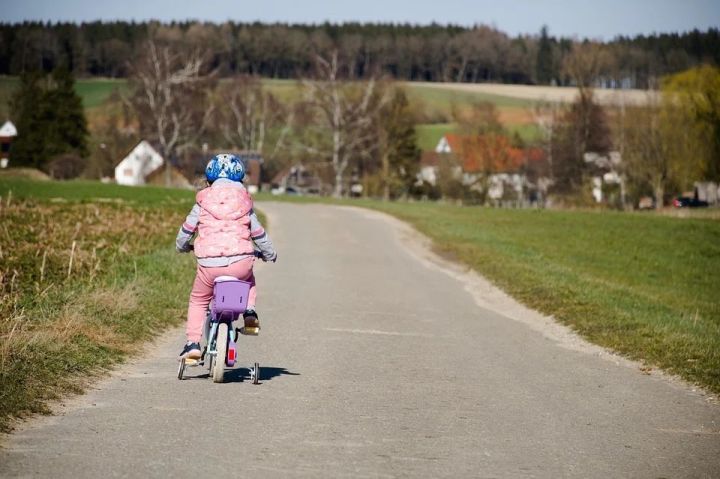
x=230, y=299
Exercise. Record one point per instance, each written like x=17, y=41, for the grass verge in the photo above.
x=643, y=285
x=88, y=272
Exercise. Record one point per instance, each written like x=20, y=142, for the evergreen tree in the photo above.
x=50, y=119
x=67, y=130
x=544, y=66
x=399, y=153
x=28, y=149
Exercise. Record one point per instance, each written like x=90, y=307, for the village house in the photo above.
x=144, y=165
x=605, y=173
x=492, y=163
x=253, y=162
x=298, y=179
x=7, y=133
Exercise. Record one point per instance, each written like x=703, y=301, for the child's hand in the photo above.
x=186, y=249
x=271, y=259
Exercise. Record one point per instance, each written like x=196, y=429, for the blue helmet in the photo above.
x=225, y=166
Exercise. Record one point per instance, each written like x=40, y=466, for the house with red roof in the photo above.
x=490, y=161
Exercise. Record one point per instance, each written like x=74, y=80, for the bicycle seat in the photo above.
x=221, y=279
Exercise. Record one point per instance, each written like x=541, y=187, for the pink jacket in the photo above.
x=224, y=223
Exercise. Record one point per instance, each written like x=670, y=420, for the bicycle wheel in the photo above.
x=221, y=346
x=256, y=376
x=181, y=369
x=210, y=362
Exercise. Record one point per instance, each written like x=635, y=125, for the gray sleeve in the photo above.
x=260, y=237
x=187, y=230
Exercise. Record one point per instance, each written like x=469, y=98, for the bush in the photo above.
x=65, y=167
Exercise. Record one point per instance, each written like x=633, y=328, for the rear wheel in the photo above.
x=218, y=372
x=256, y=376
x=181, y=369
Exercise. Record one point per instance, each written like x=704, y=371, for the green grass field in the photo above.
x=429, y=135
x=443, y=99
x=93, y=91
x=643, y=285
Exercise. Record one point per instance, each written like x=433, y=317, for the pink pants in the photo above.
x=202, y=292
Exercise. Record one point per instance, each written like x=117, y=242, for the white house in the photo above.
x=7, y=133
x=138, y=165
x=607, y=167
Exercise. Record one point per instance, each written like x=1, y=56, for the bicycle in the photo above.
x=230, y=296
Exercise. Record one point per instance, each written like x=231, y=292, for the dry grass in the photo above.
x=26, y=173
x=81, y=285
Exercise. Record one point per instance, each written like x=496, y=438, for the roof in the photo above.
x=8, y=129
x=429, y=158
x=491, y=152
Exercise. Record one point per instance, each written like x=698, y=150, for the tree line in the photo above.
x=406, y=52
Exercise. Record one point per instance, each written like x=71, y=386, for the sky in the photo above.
x=600, y=19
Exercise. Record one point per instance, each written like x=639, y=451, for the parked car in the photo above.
x=689, y=202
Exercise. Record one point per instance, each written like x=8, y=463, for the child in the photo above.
x=226, y=228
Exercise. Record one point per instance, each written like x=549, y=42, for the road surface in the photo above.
x=376, y=364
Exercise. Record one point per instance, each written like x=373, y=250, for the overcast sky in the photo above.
x=585, y=18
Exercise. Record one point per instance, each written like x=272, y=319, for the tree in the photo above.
x=547, y=119
x=583, y=128
x=478, y=118
x=544, y=63
x=28, y=149
x=50, y=119
x=483, y=146
x=170, y=98
x=397, y=143
x=585, y=64
x=345, y=113
x=246, y=114
x=695, y=96
x=647, y=151
x=68, y=132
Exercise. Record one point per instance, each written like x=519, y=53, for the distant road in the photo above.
x=377, y=364
x=547, y=93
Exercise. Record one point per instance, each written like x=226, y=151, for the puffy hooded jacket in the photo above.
x=224, y=223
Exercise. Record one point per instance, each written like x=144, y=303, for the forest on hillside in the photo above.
x=405, y=52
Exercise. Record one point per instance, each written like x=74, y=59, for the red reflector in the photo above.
x=231, y=355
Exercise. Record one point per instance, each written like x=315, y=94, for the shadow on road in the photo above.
x=266, y=373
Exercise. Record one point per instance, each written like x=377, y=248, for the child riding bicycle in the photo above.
x=225, y=228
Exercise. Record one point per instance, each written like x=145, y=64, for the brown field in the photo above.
x=546, y=93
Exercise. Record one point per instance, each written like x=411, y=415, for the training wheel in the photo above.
x=181, y=369
x=255, y=373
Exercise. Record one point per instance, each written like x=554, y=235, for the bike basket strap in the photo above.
x=230, y=299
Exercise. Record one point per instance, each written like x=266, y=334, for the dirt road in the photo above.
x=377, y=364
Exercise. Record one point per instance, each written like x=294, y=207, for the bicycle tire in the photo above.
x=181, y=369
x=221, y=343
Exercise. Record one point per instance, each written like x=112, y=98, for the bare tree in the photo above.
x=585, y=64
x=546, y=118
x=246, y=113
x=647, y=153
x=345, y=112
x=170, y=98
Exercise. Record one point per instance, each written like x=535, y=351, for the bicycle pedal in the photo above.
x=254, y=331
